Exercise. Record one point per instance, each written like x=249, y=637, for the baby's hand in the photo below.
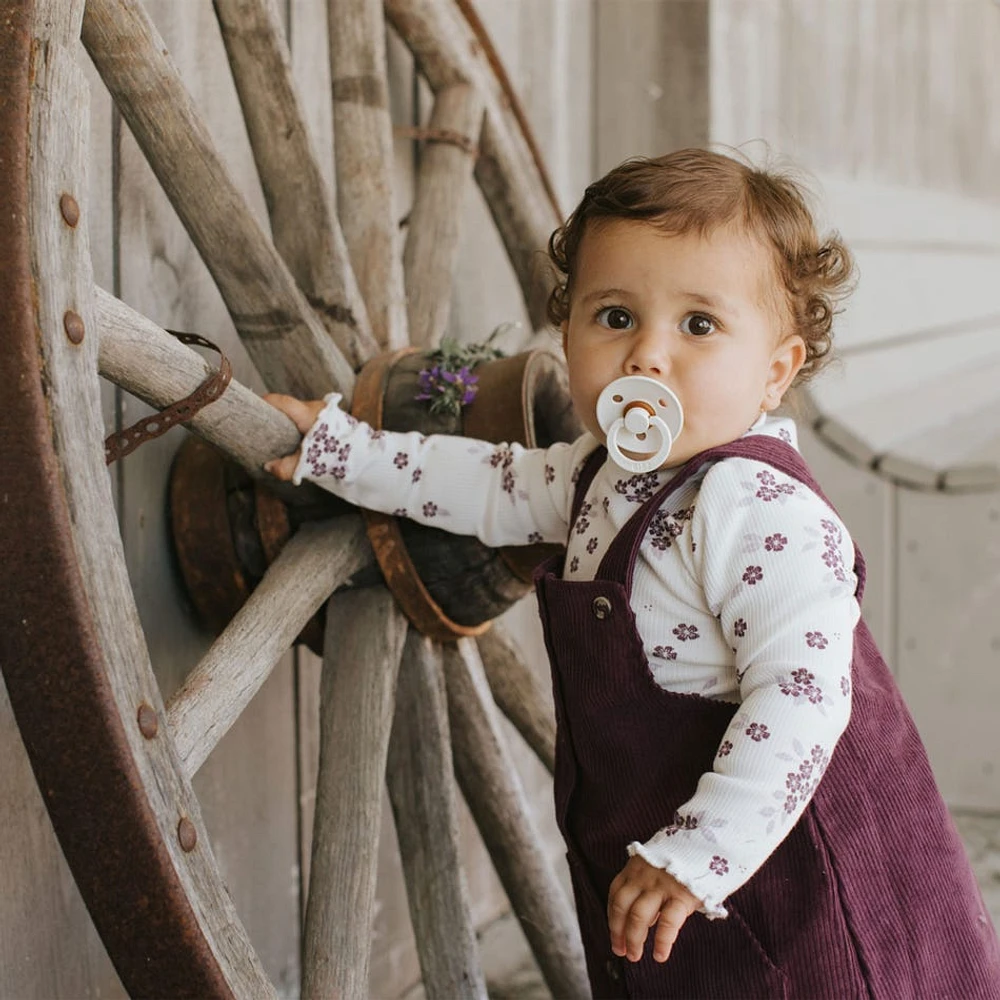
x=303, y=414
x=641, y=896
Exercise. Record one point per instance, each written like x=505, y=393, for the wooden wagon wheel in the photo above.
x=113, y=763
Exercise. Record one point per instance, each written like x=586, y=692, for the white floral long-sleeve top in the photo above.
x=743, y=591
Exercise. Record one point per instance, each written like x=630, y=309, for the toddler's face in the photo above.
x=701, y=314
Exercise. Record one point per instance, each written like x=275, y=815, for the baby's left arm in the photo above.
x=776, y=566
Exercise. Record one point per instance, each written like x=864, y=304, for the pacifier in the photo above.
x=642, y=416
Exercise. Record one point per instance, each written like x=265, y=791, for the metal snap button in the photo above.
x=602, y=608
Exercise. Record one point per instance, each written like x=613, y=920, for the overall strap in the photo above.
x=588, y=470
x=618, y=563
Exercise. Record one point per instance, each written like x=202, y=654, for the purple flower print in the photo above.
x=816, y=640
x=753, y=575
x=507, y=481
x=686, y=632
x=681, y=822
x=832, y=557
x=417, y=473
x=757, y=731
x=574, y=564
x=375, y=434
x=399, y=512
x=638, y=489
x=550, y=475
x=770, y=489
x=665, y=527
x=583, y=519
x=775, y=543
x=845, y=686
x=402, y=460
x=534, y=537
x=592, y=545
x=501, y=455
x=725, y=749
x=665, y=652
x=801, y=686
x=740, y=627
x=785, y=435
x=719, y=865
x=430, y=509
x=802, y=782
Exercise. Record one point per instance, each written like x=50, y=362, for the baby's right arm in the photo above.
x=503, y=494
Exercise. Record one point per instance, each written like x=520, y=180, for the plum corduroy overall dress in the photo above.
x=870, y=894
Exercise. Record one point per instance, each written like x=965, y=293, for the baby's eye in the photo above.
x=615, y=318
x=698, y=324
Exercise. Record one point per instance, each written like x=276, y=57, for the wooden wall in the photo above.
x=898, y=92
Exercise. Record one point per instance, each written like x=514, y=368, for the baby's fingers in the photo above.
x=283, y=468
x=641, y=917
x=672, y=917
x=302, y=413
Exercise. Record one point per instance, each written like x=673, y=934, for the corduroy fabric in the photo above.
x=870, y=895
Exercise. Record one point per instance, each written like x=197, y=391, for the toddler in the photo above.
x=736, y=778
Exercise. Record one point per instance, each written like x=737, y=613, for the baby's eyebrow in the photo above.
x=712, y=302
x=604, y=293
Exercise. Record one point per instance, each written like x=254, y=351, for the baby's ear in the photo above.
x=789, y=356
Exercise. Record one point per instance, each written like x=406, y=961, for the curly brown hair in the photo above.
x=698, y=190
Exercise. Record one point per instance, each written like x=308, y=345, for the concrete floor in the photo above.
x=511, y=973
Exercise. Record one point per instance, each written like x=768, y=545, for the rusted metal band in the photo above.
x=445, y=135
x=401, y=576
x=122, y=443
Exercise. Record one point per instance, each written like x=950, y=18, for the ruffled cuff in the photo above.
x=331, y=418
x=713, y=909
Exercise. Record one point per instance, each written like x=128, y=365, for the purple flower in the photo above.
x=665, y=653
x=757, y=731
x=534, y=537
x=775, y=543
x=719, y=865
x=401, y=460
x=845, y=686
x=430, y=509
x=816, y=640
x=740, y=627
x=725, y=749
x=753, y=575
x=686, y=632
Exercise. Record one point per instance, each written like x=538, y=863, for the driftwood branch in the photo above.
x=488, y=779
x=422, y=792
x=432, y=241
x=519, y=694
x=363, y=151
x=317, y=559
x=285, y=339
x=304, y=226
x=365, y=632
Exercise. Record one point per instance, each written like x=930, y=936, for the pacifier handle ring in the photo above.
x=645, y=464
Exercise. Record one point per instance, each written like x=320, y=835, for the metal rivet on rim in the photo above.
x=70, y=210
x=187, y=834
x=73, y=324
x=601, y=607
x=148, y=723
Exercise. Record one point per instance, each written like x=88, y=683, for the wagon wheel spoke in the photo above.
x=518, y=693
x=318, y=559
x=489, y=783
x=305, y=227
x=363, y=153
x=421, y=789
x=285, y=339
x=432, y=240
x=449, y=51
x=365, y=632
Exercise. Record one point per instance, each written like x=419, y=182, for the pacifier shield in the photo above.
x=639, y=415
